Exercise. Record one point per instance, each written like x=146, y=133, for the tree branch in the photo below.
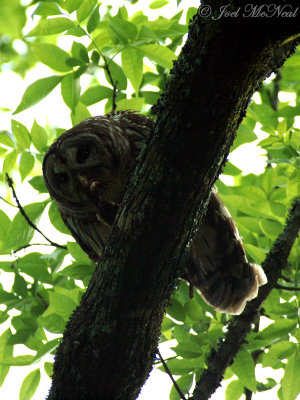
x=221, y=65
x=30, y=223
x=171, y=376
x=240, y=325
x=292, y=289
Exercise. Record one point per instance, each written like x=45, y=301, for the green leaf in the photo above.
x=132, y=63
x=48, y=367
x=46, y=348
x=55, y=219
x=20, y=232
x=95, y=57
x=37, y=91
x=6, y=351
x=70, y=91
x=245, y=134
x=193, y=310
x=94, y=94
x=79, y=271
x=270, y=227
x=282, y=127
x=255, y=252
x=12, y=18
x=277, y=352
x=231, y=169
x=277, y=330
x=118, y=76
x=125, y=30
x=181, y=366
x=184, y=383
x=291, y=382
x=20, y=286
x=19, y=361
x=150, y=97
x=176, y=310
x=158, y=4
x=190, y=13
x=4, y=226
x=53, y=323
x=188, y=349
x=135, y=103
x=9, y=162
x=79, y=51
x=80, y=113
x=38, y=183
x=264, y=114
x=60, y=305
x=234, y=390
x=7, y=139
x=85, y=9
x=35, y=266
x=51, y=26
x=102, y=39
x=46, y=9
x=93, y=20
x=21, y=135
x=77, y=253
x=244, y=368
x=52, y=56
x=30, y=384
x=26, y=164
x=254, y=193
x=39, y=137
x=160, y=54
x=72, y=5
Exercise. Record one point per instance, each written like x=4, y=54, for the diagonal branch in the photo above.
x=117, y=325
x=171, y=376
x=240, y=325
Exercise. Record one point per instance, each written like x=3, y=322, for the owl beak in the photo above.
x=92, y=185
x=82, y=179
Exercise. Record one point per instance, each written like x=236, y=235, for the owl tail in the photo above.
x=217, y=265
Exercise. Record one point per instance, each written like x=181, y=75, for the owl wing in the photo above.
x=90, y=233
x=217, y=265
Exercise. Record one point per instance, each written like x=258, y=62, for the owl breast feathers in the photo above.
x=87, y=170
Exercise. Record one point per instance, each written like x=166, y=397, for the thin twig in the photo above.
x=165, y=359
x=22, y=211
x=284, y=278
x=171, y=376
x=32, y=244
x=113, y=84
x=287, y=288
x=106, y=67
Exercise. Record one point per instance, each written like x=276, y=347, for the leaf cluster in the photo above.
x=126, y=59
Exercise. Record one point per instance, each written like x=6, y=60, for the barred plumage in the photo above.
x=87, y=170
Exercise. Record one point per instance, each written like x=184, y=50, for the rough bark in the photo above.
x=111, y=339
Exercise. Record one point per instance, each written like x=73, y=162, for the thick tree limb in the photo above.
x=240, y=325
x=111, y=340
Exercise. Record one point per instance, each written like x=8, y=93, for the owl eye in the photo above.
x=62, y=178
x=83, y=153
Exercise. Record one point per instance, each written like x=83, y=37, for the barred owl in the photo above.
x=87, y=170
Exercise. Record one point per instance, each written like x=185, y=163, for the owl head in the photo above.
x=90, y=163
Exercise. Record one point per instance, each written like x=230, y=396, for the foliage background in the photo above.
x=96, y=55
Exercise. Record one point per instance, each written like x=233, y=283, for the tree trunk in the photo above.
x=111, y=339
